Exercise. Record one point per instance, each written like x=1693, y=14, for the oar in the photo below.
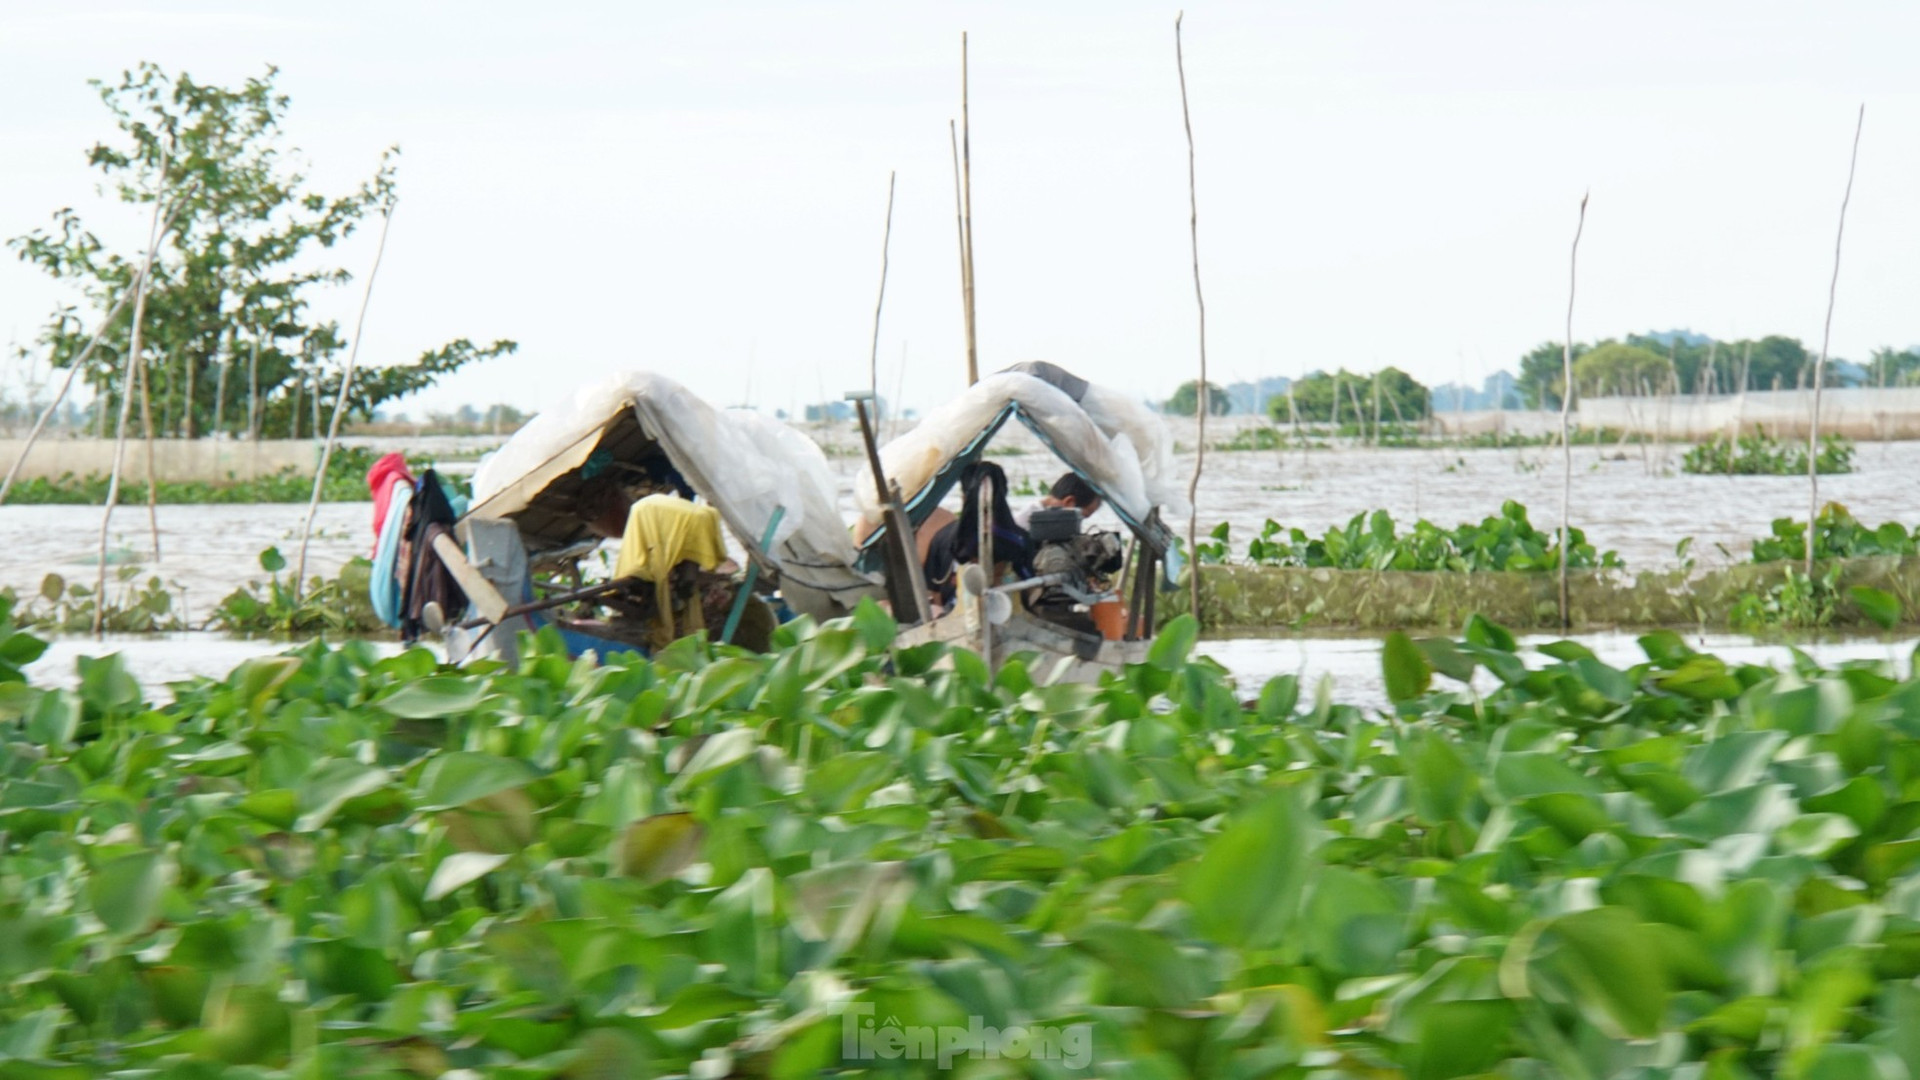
x=753, y=573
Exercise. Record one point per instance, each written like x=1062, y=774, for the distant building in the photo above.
x=837, y=411
x=1250, y=398
x=1498, y=391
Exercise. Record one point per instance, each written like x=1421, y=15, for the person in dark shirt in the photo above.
x=959, y=542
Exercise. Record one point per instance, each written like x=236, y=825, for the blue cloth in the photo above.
x=383, y=589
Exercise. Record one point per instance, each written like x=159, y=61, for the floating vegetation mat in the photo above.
x=847, y=858
x=1267, y=597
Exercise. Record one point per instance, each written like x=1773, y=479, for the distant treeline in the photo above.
x=1670, y=362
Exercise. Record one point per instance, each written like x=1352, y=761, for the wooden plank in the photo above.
x=486, y=599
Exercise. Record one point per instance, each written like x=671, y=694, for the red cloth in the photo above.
x=388, y=471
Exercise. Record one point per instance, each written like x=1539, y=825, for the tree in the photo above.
x=1186, y=398
x=1542, y=371
x=1401, y=397
x=1891, y=367
x=230, y=344
x=1615, y=369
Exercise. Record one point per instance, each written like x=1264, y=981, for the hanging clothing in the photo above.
x=662, y=532
x=387, y=474
x=383, y=586
x=427, y=579
x=391, y=485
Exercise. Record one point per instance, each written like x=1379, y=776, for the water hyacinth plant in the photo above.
x=331, y=864
x=1505, y=541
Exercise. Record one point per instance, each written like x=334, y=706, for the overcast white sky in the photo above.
x=699, y=189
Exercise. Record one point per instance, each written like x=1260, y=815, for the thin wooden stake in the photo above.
x=126, y=400
x=1202, y=398
x=966, y=262
x=1826, y=334
x=966, y=211
x=873, y=354
x=144, y=370
x=1566, y=422
x=340, y=402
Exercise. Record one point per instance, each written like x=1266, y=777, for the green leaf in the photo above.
x=126, y=892
x=1614, y=970
x=462, y=868
x=322, y=794
x=272, y=561
x=463, y=776
x=656, y=848
x=1881, y=607
x=1405, y=667
x=1487, y=635
x=1174, y=644
x=435, y=697
x=1245, y=888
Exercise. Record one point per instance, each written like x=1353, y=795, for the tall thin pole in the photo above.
x=966, y=210
x=873, y=353
x=1566, y=421
x=966, y=259
x=1202, y=398
x=339, y=401
x=126, y=399
x=1826, y=334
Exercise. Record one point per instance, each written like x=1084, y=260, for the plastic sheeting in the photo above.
x=743, y=463
x=1101, y=441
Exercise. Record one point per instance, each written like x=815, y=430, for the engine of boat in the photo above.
x=1088, y=559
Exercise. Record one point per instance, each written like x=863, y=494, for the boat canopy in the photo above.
x=744, y=464
x=1112, y=442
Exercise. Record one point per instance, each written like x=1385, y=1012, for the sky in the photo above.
x=700, y=190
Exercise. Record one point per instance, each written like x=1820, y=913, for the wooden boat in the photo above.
x=1116, y=445
x=769, y=483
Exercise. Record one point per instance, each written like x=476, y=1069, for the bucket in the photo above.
x=1110, y=618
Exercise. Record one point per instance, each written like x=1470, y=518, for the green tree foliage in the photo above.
x=1542, y=373
x=1891, y=367
x=1185, y=400
x=1708, y=367
x=1401, y=397
x=228, y=304
x=1611, y=368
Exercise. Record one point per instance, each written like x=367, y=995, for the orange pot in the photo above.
x=1110, y=618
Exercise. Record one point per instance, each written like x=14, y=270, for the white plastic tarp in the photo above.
x=1116, y=443
x=743, y=463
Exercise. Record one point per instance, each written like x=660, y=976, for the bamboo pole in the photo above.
x=966, y=259
x=1566, y=422
x=126, y=400
x=340, y=402
x=966, y=211
x=873, y=353
x=1202, y=399
x=253, y=387
x=1826, y=335
x=219, y=399
x=143, y=369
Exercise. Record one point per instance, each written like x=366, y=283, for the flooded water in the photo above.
x=1353, y=663
x=1624, y=497
x=1624, y=501
x=206, y=551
